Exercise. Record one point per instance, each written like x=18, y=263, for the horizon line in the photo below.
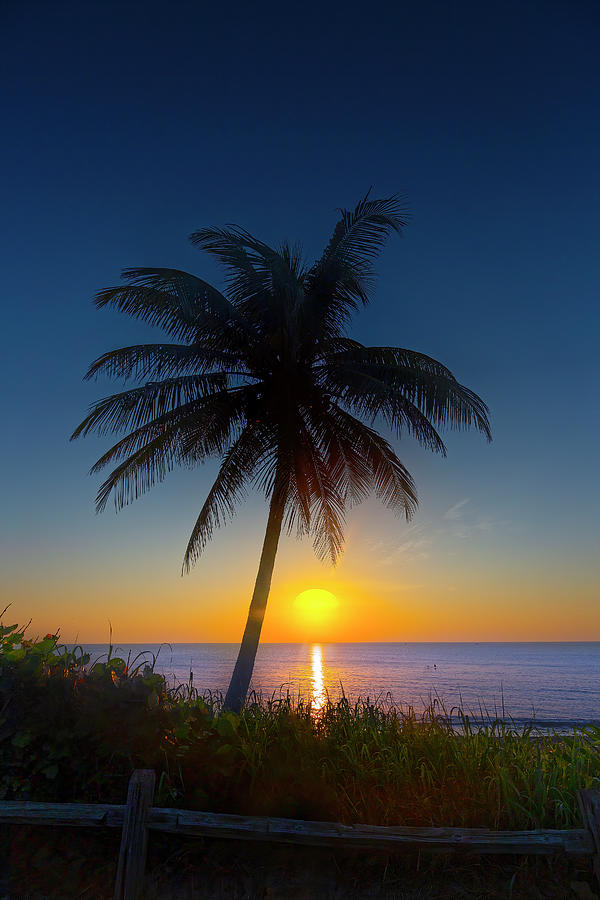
x=289, y=643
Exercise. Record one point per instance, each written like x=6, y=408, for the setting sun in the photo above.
x=315, y=606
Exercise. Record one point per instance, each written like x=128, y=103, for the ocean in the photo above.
x=555, y=684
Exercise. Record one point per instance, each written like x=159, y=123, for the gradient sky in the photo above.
x=129, y=125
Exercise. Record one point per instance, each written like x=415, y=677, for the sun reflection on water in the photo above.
x=318, y=690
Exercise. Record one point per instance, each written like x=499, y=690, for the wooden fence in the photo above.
x=138, y=815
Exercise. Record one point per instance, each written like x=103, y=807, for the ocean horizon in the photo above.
x=553, y=684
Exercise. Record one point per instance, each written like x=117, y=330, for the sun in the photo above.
x=316, y=606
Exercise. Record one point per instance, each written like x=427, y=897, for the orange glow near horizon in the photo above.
x=357, y=601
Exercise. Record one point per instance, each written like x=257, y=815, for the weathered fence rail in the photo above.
x=299, y=831
x=137, y=816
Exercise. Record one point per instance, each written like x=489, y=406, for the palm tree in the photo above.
x=264, y=376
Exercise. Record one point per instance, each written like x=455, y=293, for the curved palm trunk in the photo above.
x=242, y=673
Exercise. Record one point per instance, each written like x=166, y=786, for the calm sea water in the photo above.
x=558, y=684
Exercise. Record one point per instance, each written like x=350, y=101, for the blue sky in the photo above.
x=127, y=126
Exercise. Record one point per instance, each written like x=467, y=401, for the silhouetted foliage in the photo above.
x=264, y=376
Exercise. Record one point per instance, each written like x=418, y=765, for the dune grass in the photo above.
x=378, y=764
x=73, y=730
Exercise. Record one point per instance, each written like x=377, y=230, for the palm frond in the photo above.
x=361, y=233
x=142, y=469
x=212, y=427
x=229, y=489
x=345, y=268
x=203, y=428
x=185, y=306
x=185, y=435
x=264, y=284
x=325, y=497
x=392, y=482
x=411, y=360
x=134, y=407
x=293, y=258
x=368, y=395
x=342, y=279
x=155, y=360
x=282, y=470
x=243, y=257
x=328, y=345
x=339, y=449
x=193, y=293
x=421, y=392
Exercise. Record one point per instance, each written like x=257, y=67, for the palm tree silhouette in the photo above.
x=264, y=376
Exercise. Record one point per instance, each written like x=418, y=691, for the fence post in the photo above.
x=134, y=838
x=589, y=804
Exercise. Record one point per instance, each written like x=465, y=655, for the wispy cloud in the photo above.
x=455, y=512
x=458, y=523
x=463, y=523
x=415, y=545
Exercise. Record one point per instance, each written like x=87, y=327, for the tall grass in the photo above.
x=376, y=763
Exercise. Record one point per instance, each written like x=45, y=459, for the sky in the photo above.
x=129, y=125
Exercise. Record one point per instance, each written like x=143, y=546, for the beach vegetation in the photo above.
x=72, y=729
